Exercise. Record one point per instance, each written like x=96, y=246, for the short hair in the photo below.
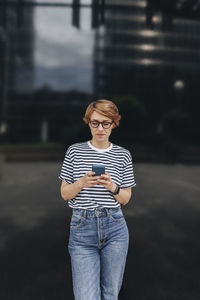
x=104, y=107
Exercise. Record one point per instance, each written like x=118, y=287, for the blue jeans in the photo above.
x=98, y=246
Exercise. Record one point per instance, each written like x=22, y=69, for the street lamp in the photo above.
x=179, y=85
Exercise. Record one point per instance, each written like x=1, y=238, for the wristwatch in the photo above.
x=116, y=191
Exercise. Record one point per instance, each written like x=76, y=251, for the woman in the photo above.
x=99, y=237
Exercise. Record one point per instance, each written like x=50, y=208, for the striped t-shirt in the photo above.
x=79, y=159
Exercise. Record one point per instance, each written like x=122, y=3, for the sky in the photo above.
x=82, y=2
x=63, y=54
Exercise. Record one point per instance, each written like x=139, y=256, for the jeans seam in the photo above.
x=104, y=227
x=116, y=220
x=79, y=225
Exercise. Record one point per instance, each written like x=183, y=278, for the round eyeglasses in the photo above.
x=105, y=124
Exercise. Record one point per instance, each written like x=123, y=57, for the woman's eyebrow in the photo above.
x=100, y=121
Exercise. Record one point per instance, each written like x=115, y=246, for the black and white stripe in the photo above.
x=79, y=159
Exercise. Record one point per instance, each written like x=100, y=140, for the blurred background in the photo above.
x=55, y=58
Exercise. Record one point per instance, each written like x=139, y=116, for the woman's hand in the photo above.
x=106, y=181
x=69, y=191
x=88, y=180
x=125, y=194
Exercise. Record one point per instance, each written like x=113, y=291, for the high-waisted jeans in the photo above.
x=98, y=246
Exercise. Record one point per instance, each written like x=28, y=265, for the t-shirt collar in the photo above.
x=100, y=150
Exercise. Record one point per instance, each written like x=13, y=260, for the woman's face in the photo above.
x=100, y=134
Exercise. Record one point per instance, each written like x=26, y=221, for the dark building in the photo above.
x=28, y=113
x=17, y=62
x=147, y=50
x=151, y=50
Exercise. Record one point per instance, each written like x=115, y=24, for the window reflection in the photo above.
x=50, y=50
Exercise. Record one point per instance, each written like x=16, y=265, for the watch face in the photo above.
x=118, y=188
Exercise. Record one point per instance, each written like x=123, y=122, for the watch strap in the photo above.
x=116, y=191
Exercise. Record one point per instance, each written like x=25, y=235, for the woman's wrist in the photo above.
x=113, y=187
x=80, y=183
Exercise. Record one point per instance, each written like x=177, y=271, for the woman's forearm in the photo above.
x=69, y=191
x=124, y=194
x=123, y=197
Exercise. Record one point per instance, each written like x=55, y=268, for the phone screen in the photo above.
x=98, y=169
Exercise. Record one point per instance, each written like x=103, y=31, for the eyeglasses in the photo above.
x=105, y=124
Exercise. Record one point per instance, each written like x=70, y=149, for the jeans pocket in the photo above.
x=117, y=215
x=77, y=221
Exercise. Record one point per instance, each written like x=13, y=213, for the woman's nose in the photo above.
x=100, y=127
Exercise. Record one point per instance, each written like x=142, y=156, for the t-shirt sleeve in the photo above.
x=128, y=179
x=66, y=172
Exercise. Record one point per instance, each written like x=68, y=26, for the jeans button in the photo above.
x=98, y=212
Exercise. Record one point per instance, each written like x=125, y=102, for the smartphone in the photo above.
x=98, y=169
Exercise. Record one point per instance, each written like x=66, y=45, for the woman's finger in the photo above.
x=105, y=176
x=102, y=181
x=90, y=173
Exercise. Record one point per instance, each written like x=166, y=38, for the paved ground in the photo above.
x=163, y=220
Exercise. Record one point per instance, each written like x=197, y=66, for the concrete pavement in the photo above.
x=163, y=221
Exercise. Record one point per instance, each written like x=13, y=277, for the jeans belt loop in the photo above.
x=107, y=211
x=84, y=213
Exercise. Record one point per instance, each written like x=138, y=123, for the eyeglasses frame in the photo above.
x=101, y=123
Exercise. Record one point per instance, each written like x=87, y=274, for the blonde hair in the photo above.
x=104, y=107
